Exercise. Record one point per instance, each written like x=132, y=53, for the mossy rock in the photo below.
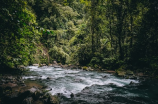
x=59, y=64
x=85, y=68
x=129, y=72
x=40, y=65
x=121, y=73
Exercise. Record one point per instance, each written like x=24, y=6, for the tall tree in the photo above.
x=17, y=31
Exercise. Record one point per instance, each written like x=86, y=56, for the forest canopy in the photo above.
x=109, y=34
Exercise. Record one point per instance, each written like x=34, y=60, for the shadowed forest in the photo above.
x=102, y=34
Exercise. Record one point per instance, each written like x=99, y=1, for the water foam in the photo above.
x=64, y=81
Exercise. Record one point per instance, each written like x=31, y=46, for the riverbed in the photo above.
x=91, y=87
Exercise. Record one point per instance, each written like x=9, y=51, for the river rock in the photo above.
x=48, y=89
x=84, y=68
x=11, y=85
x=78, y=80
x=13, y=95
x=121, y=73
x=21, y=66
x=35, y=64
x=22, y=82
x=45, y=100
x=2, y=80
x=48, y=78
x=104, y=76
x=32, y=90
x=50, y=65
x=57, y=66
x=131, y=83
x=85, y=90
x=128, y=72
x=54, y=62
x=60, y=94
x=44, y=87
x=133, y=77
x=26, y=93
x=28, y=100
x=43, y=64
x=37, y=94
x=71, y=95
x=111, y=84
x=52, y=99
x=89, y=68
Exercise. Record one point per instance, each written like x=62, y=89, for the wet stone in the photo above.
x=32, y=90
x=28, y=100
x=3, y=81
x=23, y=84
x=71, y=95
x=32, y=79
x=44, y=87
x=104, y=76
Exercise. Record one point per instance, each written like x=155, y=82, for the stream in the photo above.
x=94, y=87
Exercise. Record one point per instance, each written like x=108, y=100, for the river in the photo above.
x=94, y=87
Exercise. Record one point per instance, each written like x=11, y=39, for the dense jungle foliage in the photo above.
x=109, y=34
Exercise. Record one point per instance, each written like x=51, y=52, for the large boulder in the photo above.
x=35, y=93
x=32, y=90
x=27, y=93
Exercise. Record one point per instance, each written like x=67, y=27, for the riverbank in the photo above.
x=15, y=90
x=128, y=74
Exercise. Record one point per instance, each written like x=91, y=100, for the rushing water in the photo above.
x=94, y=87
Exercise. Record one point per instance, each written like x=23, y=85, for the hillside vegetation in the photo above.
x=107, y=34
